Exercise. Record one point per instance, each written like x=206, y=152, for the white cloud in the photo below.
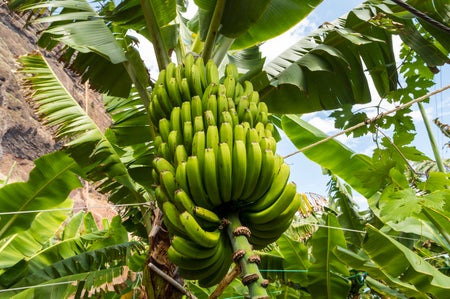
x=274, y=47
x=324, y=124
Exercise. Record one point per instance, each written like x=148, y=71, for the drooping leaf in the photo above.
x=399, y=261
x=278, y=17
x=327, y=275
x=305, y=79
x=88, y=145
x=363, y=263
x=48, y=186
x=332, y=155
x=26, y=243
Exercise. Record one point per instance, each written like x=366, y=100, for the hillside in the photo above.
x=22, y=137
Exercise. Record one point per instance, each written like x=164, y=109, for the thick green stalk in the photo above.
x=213, y=30
x=434, y=146
x=248, y=261
x=153, y=29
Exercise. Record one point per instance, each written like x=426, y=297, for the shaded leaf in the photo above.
x=48, y=186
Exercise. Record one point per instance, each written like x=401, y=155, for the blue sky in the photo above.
x=307, y=174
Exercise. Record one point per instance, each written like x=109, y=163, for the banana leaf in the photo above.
x=353, y=168
x=26, y=243
x=287, y=13
x=325, y=69
x=48, y=186
x=399, y=261
x=92, y=149
x=361, y=262
x=327, y=275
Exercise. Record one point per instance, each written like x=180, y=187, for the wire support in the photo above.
x=76, y=208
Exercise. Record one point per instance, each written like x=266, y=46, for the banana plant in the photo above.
x=324, y=70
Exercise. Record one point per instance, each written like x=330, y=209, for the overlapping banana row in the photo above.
x=216, y=157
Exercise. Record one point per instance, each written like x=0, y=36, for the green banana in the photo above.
x=210, y=177
x=254, y=97
x=161, y=164
x=188, y=134
x=265, y=176
x=210, y=119
x=173, y=142
x=183, y=201
x=212, y=138
x=196, y=81
x=181, y=176
x=160, y=196
x=182, y=261
x=169, y=183
x=212, y=72
x=198, y=124
x=163, y=99
x=203, y=272
x=180, y=154
x=223, y=268
x=211, y=89
x=185, y=90
x=275, y=227
x=248, y=88
x=197, y=233
x=221, y=90
x=243, y=105
x=207, y=215
x=163, y=151
x=154, y=115
x=222, y=105
x=239, y=133
x=189, y=61
x=212, y=105
x=155, y=177
x=261, y=129
x=277, y=207
x=226, y=134
x=175, y=123
x=202, y=70
x=254, y=161
x=172, y=220
x=196, y=106
x=179, y=75
x=225, y=171
x=164, y=129
x=192, y=250
x=252, y=136
x=268, y=143
x=195, y=182
x=198, y=147
x=225, y=117
x=158, y=111
x=230, y=85
x=186, y=112
x=161, y=77
x=248, y=117
x=238, y=92
x=231, y=70
x=174, y=92
x=169, y=72
x=239, y=171
x=278, y=184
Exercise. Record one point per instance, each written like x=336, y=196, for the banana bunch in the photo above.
x=215, y=157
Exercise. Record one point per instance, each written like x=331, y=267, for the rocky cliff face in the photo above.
x=22, y=137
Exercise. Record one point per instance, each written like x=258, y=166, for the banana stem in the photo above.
x=433, y=142
x=162, y=57
x=213, y=29
x=243, y=254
